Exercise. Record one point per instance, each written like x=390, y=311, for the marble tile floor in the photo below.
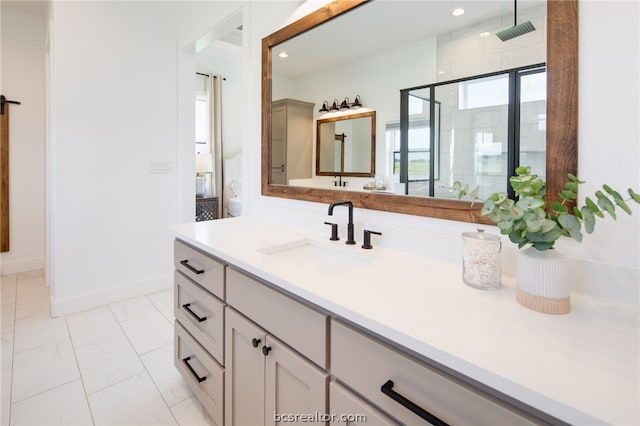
x=112, y=365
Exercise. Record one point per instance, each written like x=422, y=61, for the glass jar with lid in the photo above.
x=481, y=263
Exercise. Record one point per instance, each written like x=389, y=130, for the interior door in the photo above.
x=4, y=174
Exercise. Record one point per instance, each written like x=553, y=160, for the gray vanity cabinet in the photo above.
x=254, y=354
x=245, y=402
x=266, y=378
x=366, y=365
x=199, y=282
x=202, y=373
x=349, y=409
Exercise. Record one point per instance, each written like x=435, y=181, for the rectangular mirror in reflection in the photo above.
x=346, y=145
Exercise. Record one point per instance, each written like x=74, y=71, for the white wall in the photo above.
x=609, y=153
x=23, y=58
x=115, y=69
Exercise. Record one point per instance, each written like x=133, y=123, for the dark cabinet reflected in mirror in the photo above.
x=432, y=47
x=346, y=145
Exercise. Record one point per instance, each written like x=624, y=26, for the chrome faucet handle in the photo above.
x=334, y=231
x=367, y=238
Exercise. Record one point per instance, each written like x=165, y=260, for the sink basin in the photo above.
x=316, y=257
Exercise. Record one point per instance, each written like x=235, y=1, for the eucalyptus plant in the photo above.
x=527, y=220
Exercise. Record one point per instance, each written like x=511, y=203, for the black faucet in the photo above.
x=339, y=182
x=367, y=239
x=349, y=204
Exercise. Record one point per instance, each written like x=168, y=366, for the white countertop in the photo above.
x=582, y=368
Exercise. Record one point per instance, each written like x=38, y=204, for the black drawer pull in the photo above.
x=387, y=389
x=198, y=378
x=187, y=307
x=185, y=263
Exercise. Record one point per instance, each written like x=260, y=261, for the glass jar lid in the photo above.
x=480, y=235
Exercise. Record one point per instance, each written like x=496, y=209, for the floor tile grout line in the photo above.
x=55, y=387
x=75, y=357
x=142, y=362
x=38, y=346
x=13, y=347
x=146, y=371
x=158, y=388
x=45, y=391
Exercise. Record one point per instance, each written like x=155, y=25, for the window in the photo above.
x=418, y=153
x=484, y=92
x=202, y=121
x=489, y=123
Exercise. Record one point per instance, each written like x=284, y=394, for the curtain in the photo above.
x=215, y=104
x=209, y=87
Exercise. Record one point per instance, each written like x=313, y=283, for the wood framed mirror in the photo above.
x=346, y=145
x=561, y=117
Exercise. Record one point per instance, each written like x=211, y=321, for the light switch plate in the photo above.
x=160, y=167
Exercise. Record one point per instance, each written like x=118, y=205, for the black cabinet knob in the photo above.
x=255, y=342
x=266, y=350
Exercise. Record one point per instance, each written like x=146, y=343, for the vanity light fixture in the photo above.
x=334, y=107
x=345, y=104
x=357, y=103
x=457, y=11
x=325, y=107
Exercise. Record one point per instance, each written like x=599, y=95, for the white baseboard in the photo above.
x=24, y=265
x=90, y=300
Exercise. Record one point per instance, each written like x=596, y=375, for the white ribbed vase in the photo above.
x=542, y=281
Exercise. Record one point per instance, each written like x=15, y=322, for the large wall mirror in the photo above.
x=461, y=127
x=346, y=145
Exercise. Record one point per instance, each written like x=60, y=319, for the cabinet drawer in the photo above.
x=348, y=409
x=365, y=364
x=202, y=373
x=301, y=327
x=200, y=267
x=201, y=314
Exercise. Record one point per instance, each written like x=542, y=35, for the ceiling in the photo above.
x=383, y=25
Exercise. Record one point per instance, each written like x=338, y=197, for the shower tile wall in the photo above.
x=475, y=50
x=471, y=51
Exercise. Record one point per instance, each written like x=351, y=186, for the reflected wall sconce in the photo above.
x=357, y=103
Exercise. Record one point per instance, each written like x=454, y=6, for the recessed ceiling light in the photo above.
x=457, y=12
x=283, y=54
